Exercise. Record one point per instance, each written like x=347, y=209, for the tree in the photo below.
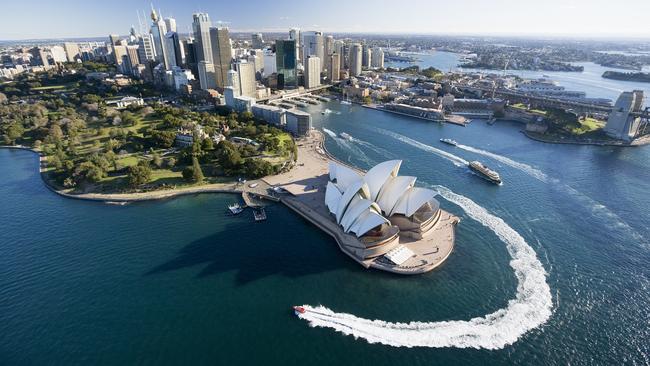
x=207, y=144
x=139, y=174
x=193, y=173
x=13, y=132
x=229, y=157
x=163, y=139
x=3, y=98
x=256, y=168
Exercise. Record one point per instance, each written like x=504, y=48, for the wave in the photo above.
x=457, y=160
x=531, y=307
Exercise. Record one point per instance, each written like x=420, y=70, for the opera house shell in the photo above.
x=379, y=207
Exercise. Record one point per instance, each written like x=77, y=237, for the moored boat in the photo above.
x=235, y=209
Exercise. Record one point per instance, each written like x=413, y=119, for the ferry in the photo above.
x=485, y=172
x=449, y=142
x=299, y=310
x=235, y=209
x=345, y=136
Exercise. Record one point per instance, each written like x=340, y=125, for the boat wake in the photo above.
x=597, y=208
x=457, y=160
x=347, y=144
x=533, y=172
x=531, y=307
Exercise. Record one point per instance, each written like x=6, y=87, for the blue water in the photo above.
x=177, y=282
x=588, y=81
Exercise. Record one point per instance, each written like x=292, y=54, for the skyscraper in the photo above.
x=366, y=57
x=312, y=72
x=313, y=46
x=329, y=49
x=335, y=70
x=114, y=39
x=245, y=72
x=207, y=77
x=377, y=58
x=355, y=59
x=221, y=54
x=170, y=23
x=71, y=51
x=146, y=48
x=285, y=57
x=257, y=42
x=203, y=46
x=294, y=34
x=158, y=31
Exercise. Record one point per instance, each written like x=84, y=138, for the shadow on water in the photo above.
x=286, y=247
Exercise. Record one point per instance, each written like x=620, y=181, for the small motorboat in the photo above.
x=299, y=310
x=235, y=209
x=449, y=142
x=346, y=136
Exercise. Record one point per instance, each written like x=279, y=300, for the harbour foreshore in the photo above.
x=306, y=184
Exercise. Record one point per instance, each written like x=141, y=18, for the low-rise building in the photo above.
x=125, y=102
x=270, y=114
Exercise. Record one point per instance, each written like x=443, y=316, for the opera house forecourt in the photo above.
x=379, y=218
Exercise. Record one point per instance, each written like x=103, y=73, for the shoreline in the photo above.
x=453, y=119
x=645, y=140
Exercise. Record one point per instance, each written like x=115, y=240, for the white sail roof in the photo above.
x=332, y=197
x=344, y=176
x=412, y=200
x=366, y=222
x=392, y=191
x=358, y=187
x=357, y=207
x=379, y=174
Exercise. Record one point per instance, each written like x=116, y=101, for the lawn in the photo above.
x=588, y=125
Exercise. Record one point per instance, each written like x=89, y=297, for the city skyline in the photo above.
x=553, y=18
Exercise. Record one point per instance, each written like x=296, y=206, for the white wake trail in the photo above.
x=531, y=307
x=596, y=207
x=348, y=145
x=533, y=172
x=329, y=132
x=457, y=160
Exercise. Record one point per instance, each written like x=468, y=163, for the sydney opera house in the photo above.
x=398, y=227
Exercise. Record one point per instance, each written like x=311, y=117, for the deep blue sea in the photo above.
x=179, y=282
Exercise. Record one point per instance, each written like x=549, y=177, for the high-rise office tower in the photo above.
x=312, y=72
x=355, y=59
x=207, y=77
x=203, y=45
x=245, y=72
x=170, y=23
x=146, y=48
x=366, y=57
x=294, y=34
x=71, y=51
x=119, y=52
x=339, y=47
x=377, y=58
x=270, y=65
x=287, y=66
x=313, y=46
x=158, y=31
x=133, y=54
x=257, y=42
x=173, y=51
x=333, y=73
x=221, y=54
x=114, y=39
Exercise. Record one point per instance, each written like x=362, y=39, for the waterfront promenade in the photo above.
x=306, y=185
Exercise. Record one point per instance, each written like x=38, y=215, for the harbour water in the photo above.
x=589, y=81
x=177, y=281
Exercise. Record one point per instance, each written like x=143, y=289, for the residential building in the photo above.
x=313, y=45
x=334, y=71
x=298, y=122
x=355, y=59
x=271, y=114
x=312, y=72
x=377, y=60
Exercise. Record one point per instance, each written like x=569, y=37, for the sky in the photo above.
x=580, y=18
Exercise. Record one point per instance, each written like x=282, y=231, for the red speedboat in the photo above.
x=299, y=310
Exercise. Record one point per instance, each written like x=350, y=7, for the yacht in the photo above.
x=485, y=172
x=449, y=142
x=235, y=209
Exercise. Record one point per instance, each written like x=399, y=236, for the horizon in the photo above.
x=579, y=19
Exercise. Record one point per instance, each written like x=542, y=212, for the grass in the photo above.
x=588, y=125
